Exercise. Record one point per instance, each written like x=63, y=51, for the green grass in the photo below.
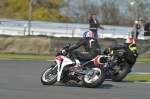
x=143, y=59
x=21, y=56
x=138, y=77
x=46, y=57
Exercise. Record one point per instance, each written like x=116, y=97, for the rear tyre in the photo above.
x=49, y=76
x=94, y=78
x=117, y=77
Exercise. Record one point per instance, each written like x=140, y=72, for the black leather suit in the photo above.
x=130, y=52
x=91, y=46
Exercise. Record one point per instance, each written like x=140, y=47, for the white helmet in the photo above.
x=130, y=40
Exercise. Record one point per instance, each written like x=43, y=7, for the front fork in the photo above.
x=55, y=67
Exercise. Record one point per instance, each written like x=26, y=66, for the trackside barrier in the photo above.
x=41, y=45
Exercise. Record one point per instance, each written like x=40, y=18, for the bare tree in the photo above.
x=81, y=10
x=111, y=13
x=142, y=7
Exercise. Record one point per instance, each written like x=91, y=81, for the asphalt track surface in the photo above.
x=20, y=79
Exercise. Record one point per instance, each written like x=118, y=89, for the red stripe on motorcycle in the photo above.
x=59, y=58
x=96, y=61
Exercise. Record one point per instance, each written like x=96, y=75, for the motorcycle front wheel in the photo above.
x=49, y=76
x=94, y=78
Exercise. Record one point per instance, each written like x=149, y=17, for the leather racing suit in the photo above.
x=130, y=53
x=91, y=46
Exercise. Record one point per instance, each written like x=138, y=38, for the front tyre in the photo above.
x=117, y=77
x=49, y=76
x=94, y=78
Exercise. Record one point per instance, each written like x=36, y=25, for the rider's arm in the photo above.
x=77, y=45
x=99, y=25
x=117, y=47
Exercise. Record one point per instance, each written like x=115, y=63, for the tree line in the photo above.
x=42, y=10
x=109, y=12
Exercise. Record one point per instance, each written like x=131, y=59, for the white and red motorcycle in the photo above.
x=90, y=74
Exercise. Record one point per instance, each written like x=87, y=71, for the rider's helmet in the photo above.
x=88, y=34
x=130, y=40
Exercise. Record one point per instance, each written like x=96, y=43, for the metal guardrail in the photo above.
x=54, y=32
x=35, y=31
x=13, y=27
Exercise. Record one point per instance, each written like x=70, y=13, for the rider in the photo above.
x=130, y=51
x=91, y=46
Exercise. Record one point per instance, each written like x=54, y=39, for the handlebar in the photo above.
x=66, y=46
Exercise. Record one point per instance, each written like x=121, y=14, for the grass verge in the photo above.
x=46, y=57
x=138, y=78
x=24, y=56
x=143, y=59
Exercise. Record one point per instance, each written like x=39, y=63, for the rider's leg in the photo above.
x=85, y=56
x=74, y=57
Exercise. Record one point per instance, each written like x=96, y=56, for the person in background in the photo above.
x=94, y=25
x=139, y=27
x=147, y=31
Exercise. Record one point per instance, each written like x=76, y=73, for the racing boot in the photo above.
x=77, y=63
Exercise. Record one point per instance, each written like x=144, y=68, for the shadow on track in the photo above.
x=103, y=86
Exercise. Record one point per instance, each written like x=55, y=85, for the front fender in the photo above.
x=61, y=61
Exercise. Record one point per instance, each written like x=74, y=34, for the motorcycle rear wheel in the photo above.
x=117, y=77
x=94, y=78
x=49, y=76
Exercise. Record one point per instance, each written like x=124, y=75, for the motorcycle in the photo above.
x=116, y=67
x=65, y=71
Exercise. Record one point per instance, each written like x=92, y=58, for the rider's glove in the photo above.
x=63, y=51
